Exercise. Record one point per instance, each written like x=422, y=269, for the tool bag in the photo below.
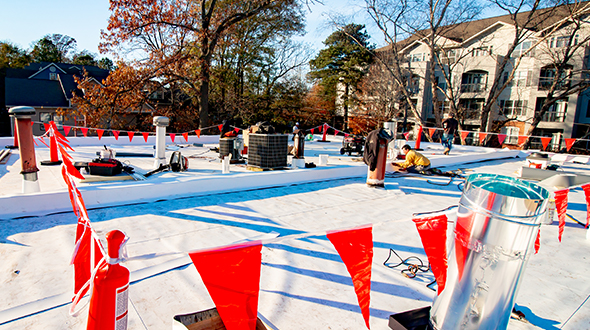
x=105, y=167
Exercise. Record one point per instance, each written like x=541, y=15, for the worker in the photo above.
x=415, y=161
x=295, y=131
x=450, y=126
x=227, y=130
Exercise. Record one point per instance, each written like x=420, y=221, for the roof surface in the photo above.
x=304, y=284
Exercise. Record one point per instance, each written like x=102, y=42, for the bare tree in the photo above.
x=565, y=71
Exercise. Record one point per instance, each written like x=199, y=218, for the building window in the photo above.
x=482, y=51
x=474, y=81
x=511, y=134
x=420, y=57
x=449, y=57
x=512, y=108
x=414, y=85
x=522, y=48
x=157, y=95
x=563, y=41
x=444, y=107
x=52, y=76
x=548, y=75
x=470, y=109
x=556, y=112
x=522, y=78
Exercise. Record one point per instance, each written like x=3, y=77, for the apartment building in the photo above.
x=471, y=53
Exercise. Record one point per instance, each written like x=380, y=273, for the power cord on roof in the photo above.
x=413, y=265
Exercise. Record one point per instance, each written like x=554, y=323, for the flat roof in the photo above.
x=304, y=284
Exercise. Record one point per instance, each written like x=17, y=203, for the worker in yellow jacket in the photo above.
x=415, y=161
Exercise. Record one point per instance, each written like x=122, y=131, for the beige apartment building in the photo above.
x=471, y=55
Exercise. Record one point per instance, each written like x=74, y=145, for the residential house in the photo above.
x=45, y=87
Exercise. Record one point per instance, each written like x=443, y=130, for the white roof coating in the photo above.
x=303, y=284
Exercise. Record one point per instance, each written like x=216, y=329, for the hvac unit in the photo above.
x=267, y=151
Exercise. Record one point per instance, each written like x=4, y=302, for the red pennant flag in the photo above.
x=586, y=188
x=220, y=126
x=185, y=136
x=312, y=131
x=407, y=136
x=232, y=277
x=522, y=139
x=66, y=130
x=198, y=132
x=501, y=138
x=433, y=233
x=464, y=135
x=431, y=132
x=84, y=131
x=45, y=125
x=172, y=137
x=145, y=136
x=82, y=256
x=32, y=123
x=482, y=137
x=100, y=133
x=335, y=132
x=116, y=134
x=569, y=143
x=130, y=135
x=355, y=248
x=538, y=242
x=320, y=128
x=237, y=129
x=561, y=207
x=346, y=135
x=545, y=141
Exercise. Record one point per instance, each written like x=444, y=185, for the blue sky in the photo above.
x=26, y=21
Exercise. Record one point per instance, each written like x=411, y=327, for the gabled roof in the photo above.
x=45, y=68
x=35, y=92
x=25, y=87
x=463, y=32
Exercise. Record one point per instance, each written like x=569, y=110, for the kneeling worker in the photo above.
x=415, y=161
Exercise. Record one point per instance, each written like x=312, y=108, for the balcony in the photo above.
x=553, y=117
x=473, y=88
x=472, y=115
x=546, y=82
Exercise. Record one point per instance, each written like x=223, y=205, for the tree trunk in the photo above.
x=204, y=104
x=345, y=124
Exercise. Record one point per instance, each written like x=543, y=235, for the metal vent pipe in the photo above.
x=497, y=223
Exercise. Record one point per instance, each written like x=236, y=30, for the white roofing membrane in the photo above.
x=304, y=284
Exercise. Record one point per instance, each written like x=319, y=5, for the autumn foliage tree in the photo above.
x=109, y=103
x=180, y=38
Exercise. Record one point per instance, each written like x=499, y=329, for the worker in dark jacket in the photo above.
x=372, y=147
x=450, y=126
x=415, y=161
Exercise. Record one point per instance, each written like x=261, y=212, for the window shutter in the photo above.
x=529, y=77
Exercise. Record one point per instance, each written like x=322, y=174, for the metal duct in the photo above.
x=497, y=222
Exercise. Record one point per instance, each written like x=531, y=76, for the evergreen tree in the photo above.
x=13, y=57
x=45, y=50
x=343, y=61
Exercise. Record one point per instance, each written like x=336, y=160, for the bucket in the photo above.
x=225, y=164
x=497, y=222
x=298, y=163
x=323, y=161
